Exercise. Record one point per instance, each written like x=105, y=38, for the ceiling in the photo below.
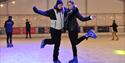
x=3, y=1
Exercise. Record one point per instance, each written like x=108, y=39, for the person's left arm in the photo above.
x=80, y=17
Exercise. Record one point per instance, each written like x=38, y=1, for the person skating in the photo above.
x=72, y=13
x=9, y=31
x=56, y=15
x=28, y=29
x=114, y=28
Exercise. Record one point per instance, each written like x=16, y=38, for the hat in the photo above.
x=58, y=2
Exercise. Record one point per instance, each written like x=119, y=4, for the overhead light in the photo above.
x=13, y=2
x=1, y=5
x=111, y=17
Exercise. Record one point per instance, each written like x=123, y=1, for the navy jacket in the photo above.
x=71, y=19
x=114, y=26
x=28, y=26
x=9, y=25
x=49, y=13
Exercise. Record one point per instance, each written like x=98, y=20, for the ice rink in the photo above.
x=101, y=50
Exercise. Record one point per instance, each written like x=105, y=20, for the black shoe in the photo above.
x=57, y=61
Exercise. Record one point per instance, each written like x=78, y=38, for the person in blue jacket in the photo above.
x=9, y=31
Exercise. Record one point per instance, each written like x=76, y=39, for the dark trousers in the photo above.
x=73, y=36
x=9, y=38
x=28, y=32
x=55, y=39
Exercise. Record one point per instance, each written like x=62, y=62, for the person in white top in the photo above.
x=56, y=15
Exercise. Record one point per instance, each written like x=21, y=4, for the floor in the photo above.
x=100, y=50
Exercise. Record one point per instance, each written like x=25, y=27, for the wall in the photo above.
x=105, y=10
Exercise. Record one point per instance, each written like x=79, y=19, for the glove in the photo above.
x=93, y=17
x=35, y=9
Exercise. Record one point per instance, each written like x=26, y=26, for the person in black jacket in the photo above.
x=56, y=15
x=28, y=28
x=9, y=30
x=72, y=26
x=114, y=27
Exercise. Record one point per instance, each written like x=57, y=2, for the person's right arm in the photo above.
x=111, y=25
x=44, y=13
x=12, y=23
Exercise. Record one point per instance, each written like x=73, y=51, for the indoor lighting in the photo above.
x=1, y=5
x=13, y=2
